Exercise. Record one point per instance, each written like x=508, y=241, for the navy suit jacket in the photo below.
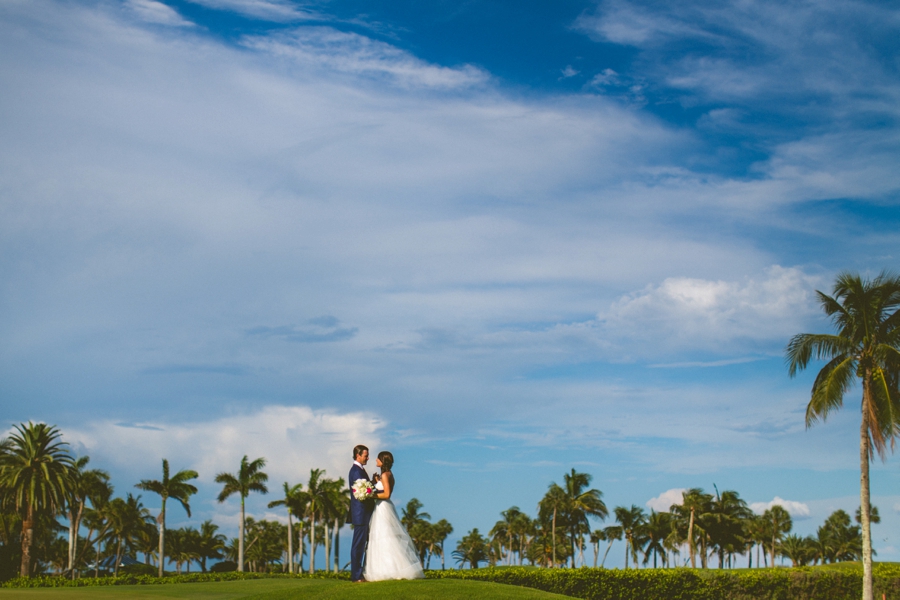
x=360, y=512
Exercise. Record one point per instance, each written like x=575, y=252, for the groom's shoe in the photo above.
x=363, y=580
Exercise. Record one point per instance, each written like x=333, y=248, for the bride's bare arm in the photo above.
x=388, y=483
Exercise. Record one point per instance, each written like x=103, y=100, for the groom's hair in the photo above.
x=359, y=449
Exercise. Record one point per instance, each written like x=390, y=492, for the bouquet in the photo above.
x=363, y=489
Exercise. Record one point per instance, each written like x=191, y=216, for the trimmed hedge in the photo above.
x=691, y=584
x=45, y=581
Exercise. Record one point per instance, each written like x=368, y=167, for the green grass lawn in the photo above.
x=289, y=589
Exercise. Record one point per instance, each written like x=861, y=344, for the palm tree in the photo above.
x=865, y=347
x=175, y=487
x=35, y=469
x=292, y=498
x=249, y=478
x=340, y=503
x=441, y=530
x=582, y=503
x=778, y=523
x=658, y=528
x=318, y=501
x=83, y=484
x=505, y=528
x=800, y=550
x=694, y=505
x=554, y=503
x=210, y=544
x=126, y=517
x=632, y=521
x=725, y=521
x=471, y=549
x=610, y=534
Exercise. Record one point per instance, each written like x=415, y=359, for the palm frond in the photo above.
x=828, y=390
x=804, y=347
x=883, y=411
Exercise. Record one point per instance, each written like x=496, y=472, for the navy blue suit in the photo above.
x=360, y=513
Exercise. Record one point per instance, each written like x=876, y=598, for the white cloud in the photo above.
x=797, y=510
x=270, y=10
x=157, y=12
x=324, y=48
x=698, y=314
x=292, y=439
x=664, y=502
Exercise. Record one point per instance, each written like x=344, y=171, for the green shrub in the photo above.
x=48, y=581
x=692, y=584
x=225, y=566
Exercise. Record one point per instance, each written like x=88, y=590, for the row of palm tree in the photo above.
x=702, y=525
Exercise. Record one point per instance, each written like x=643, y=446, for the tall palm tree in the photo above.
x=126, y=517
x=340, y=502
x=583, y=503
x=441, y=530
x=84, y=483
x=778, y=523
x=175, y=487
x=318, y=501
x=610, y=534
x=866, y=347
x=554, y=504
x=506, y=528
x=725, y=520
x=695, y=504
x=658, y=528
x=35, y=469
x=293, y=496
x=632, y=521
x=249, y=478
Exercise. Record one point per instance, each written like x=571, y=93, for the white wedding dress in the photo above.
x=390, y=553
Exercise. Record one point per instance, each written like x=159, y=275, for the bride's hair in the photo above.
x=387, y=460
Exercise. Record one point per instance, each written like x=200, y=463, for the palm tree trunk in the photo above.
x=240, y=564
x=337, y=546
x=327, y=544
x=162, y=535
x=118, y=558
x=627, y=549
x=27, y=538
x=300, y=550
x=290, y=558
x=691, y=539
x=442, y=556
x=864, y=499
x=312, y=543
x=772, y=548
x=553, y=538
x=71, y=559
x=608, y=547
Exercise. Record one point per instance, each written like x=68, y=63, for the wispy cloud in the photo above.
x=152, y=11
x=325, y=48
x=320, y=329
x=267, y=10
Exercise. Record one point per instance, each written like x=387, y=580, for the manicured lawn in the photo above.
x=217, y=590
x=288, y=589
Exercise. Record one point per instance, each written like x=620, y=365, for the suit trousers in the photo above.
x=358, y=551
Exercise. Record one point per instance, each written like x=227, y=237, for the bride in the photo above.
x=391, y=553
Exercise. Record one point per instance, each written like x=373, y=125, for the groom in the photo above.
x=360, y=513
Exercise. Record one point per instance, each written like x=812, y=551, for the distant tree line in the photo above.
x=699, y=528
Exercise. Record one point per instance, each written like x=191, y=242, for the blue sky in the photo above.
x=502, y=239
